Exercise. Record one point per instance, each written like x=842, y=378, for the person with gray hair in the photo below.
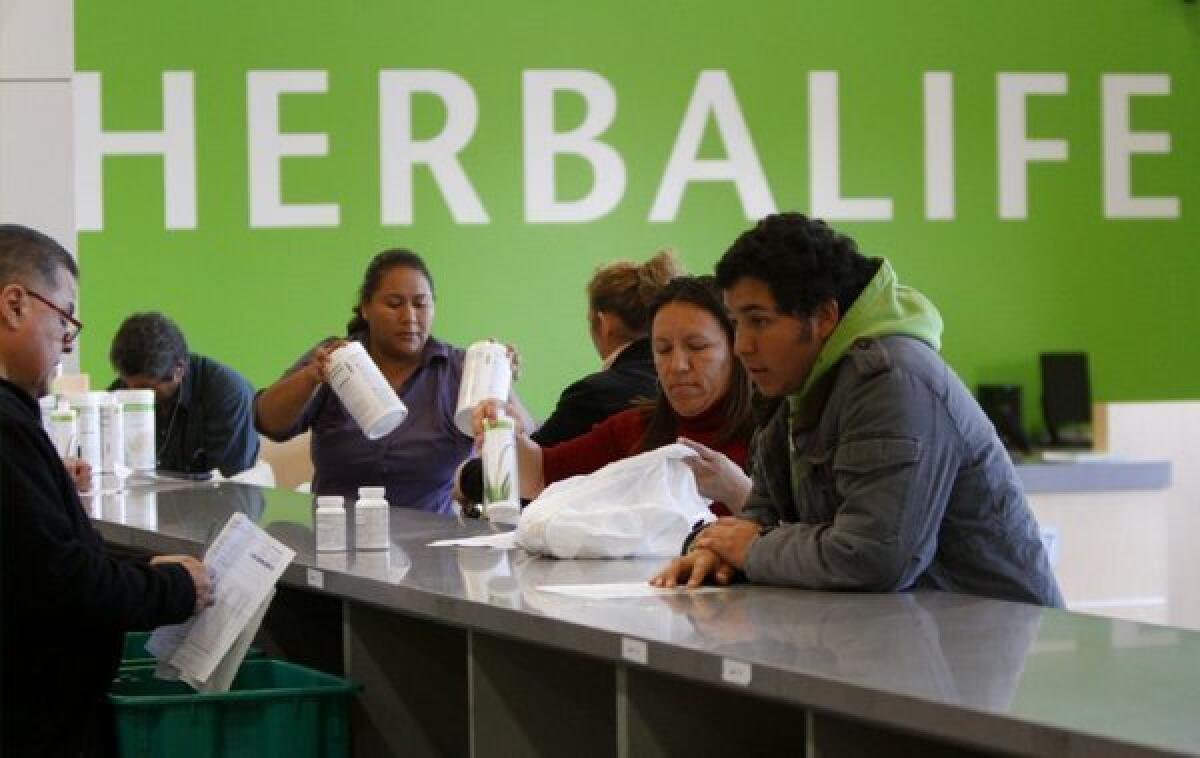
x=66, y=603
x=204, y=409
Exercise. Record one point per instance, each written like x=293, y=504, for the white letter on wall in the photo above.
x=939, y=146
x=399, y=152
x=176, y=143
x=268, y=146
x=1120, y=143
x=1016, y=151
x=714, y=93
x=824, y=155
x=542, y=144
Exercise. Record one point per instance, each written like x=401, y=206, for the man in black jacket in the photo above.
x=65, y=604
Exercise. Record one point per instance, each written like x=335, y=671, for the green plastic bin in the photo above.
x=274, y=709
x=136, y=654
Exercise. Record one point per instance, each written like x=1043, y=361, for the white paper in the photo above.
x=501, y=541
x=226, y=670
x=623, y=589
x=244, y=563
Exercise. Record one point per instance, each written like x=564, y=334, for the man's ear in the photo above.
x=826, y=318
x=11, y=306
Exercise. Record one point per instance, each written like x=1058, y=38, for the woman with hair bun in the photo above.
x=619, y=298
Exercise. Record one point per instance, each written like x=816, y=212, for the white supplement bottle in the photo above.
x=331, y=524
x=487, y=374
x=47, y=403
x=137, y=411
x=362, y=388
x=87, y=411
x=64, y=430
x=371, y=519
x=112, y=435
x=500, y=483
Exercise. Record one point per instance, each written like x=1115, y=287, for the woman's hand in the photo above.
x=514, y=360
x=718, y=477
x=319, y=363
x=490, y=410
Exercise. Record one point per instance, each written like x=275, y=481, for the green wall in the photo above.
x=1066, y=276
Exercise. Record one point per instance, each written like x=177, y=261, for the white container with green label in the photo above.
x=501, y=497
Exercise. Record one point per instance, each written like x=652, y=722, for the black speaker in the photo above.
x=1067, y=398
x=1002, y=404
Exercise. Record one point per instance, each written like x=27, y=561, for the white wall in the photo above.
x=37, y=60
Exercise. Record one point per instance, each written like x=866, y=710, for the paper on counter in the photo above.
x=624, y=589
x=244, y=563
x=501, y=541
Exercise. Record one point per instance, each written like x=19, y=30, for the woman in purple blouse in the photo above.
x=416, y=462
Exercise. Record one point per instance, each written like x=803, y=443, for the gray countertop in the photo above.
x=1060, y=477
x=997, y=674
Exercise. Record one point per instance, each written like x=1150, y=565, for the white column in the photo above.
x=37, y=58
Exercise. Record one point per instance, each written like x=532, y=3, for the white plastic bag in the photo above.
x=639, y=506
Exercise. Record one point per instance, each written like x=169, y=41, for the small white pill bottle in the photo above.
x=371, y=519
x=331, y=524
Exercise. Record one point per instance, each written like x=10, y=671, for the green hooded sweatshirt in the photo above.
x=885, y=307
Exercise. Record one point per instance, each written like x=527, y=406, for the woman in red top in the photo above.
x=704, y=401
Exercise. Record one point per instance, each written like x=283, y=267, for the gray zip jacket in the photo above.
x=892, y=479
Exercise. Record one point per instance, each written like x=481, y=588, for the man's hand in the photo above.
x=730, y=539
x=717, y=477
x=80, y=472
x=694, y=568
x=199, y=574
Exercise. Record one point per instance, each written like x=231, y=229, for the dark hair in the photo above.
x=29, y=257
x=627, y=289
x=802, y=261
x=378, y=268
x=661, y=421
x=148, y=344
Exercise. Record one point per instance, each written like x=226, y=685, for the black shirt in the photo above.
x=65, y=604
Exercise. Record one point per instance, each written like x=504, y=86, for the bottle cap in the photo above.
x=335, y=501
x=374, y=493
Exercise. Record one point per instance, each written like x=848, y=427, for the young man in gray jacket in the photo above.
x=877, y=471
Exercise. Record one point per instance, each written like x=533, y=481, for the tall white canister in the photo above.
x=64, y=429
x=486, y=375
x=87, y=413
x=362, y=388
x=112, y=435
x=137, y=414
x=47, y=404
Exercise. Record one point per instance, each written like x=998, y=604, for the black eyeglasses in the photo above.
x=71, y=325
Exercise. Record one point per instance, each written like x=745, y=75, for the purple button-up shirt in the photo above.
x=416, y=462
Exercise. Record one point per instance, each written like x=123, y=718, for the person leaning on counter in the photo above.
x=204, y=410
x=620, y=297
x=393, y=319
x=66, y=603
x=878, y=471
x=705, y=403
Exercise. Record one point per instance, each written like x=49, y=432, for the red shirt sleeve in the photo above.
x=611, y=440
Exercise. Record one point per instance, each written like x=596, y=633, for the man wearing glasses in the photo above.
x=66, y=605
